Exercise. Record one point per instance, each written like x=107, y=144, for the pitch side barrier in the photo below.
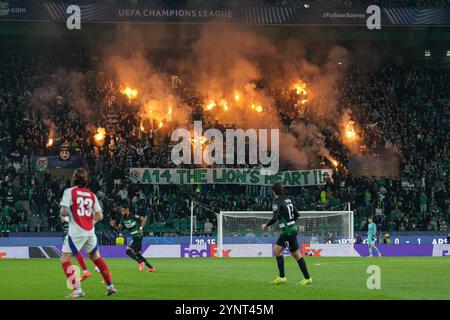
x=236, y=251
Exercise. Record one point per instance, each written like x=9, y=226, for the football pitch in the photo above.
x=235, y=278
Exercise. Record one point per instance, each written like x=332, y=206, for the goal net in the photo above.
x=244, y=227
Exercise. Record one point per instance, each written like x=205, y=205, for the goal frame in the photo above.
x=351, y=225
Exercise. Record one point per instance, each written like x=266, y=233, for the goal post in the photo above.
x=244, y=227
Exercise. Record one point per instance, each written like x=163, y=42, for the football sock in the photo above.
x=133, y=256
x=142, y=259
x=370, y=251
x=376, y=249
x=69, y=271
x=303, y=268
x=101, y=265
x=81, y=262
x=280, y=263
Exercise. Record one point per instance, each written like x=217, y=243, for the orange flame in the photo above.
x=300, y=88
x=350, y=131
x=202, y=140
x=257, y=108
x=49, y=143
x=129, y=92
x=334, y=162
x=224, y=104
x=100, y=135
x=237, y=97
x=211, y=104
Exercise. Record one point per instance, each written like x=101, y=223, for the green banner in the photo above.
x=228, y=176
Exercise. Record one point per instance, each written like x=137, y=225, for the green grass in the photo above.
x=236, y=278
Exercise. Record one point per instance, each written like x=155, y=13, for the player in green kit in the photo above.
x=371, y=232
x=285, y=213
x=135, y=226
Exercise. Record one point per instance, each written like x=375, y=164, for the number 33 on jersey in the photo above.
x=82, y=204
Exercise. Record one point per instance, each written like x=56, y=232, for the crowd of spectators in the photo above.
x=404, y=109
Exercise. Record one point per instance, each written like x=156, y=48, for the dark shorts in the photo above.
x=288, y=241
x=136, y=244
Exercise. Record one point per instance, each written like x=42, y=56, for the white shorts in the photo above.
x=75, y=244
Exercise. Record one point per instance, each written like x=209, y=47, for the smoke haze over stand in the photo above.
x=225, y=63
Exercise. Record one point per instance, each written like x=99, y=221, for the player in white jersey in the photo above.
x=82, y=207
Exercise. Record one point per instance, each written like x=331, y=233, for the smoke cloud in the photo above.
x=238, y=76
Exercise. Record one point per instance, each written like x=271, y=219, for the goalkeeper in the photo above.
x=285, y=213
x=371, y=233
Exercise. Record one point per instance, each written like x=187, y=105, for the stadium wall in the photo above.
x=236, y=250
x=56, y=11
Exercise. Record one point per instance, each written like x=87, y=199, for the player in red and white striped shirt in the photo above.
x=82, y=207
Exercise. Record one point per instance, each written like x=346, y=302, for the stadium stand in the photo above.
x=406, y=107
